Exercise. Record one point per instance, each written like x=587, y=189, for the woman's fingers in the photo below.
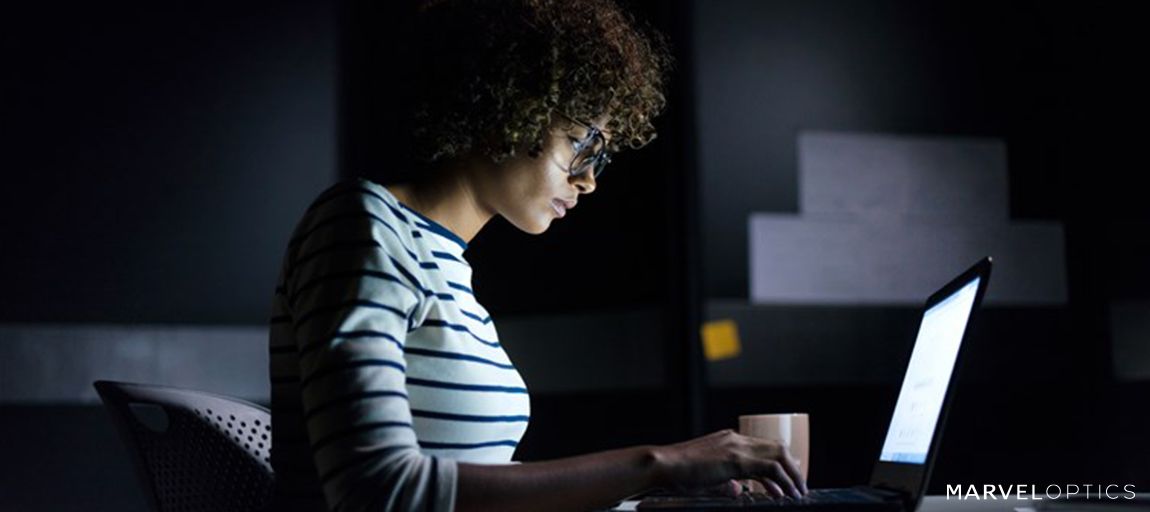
x=771, y=488
x=778, y=472
x=777, y=464
x=755, y=486
x=733, y=488
x=792, y=467
x=728, y=488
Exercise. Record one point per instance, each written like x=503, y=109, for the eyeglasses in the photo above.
x=590, y=153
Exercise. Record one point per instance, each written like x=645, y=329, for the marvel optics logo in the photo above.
x=1028, y=492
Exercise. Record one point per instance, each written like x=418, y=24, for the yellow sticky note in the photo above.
x=720, y=339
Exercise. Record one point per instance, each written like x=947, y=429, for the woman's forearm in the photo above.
x=580, y=483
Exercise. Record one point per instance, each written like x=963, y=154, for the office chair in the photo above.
x=193, y=451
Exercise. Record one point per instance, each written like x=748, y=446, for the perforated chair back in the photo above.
x=193, y=451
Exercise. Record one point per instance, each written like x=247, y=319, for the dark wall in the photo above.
x=156, y=156
x=1052, y=79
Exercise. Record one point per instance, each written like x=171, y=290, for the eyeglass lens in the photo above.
x=590, y=155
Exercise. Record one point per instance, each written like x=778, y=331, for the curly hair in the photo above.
x=492, y=75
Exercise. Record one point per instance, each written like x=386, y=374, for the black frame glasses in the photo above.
x=590, y=152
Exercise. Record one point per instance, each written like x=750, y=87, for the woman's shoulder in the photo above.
x=358, y=209
x=353, y=193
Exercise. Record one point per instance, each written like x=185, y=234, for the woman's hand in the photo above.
x=715, y=462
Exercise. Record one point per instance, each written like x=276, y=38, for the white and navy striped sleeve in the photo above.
x=354, y=301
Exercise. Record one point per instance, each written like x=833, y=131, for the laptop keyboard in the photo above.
x=816, y=499
x=815, y=496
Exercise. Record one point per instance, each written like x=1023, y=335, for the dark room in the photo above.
x=574, y=255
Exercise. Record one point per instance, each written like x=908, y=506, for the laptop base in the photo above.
x=856, y=499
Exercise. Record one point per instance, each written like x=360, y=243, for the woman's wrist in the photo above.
x=656, y=463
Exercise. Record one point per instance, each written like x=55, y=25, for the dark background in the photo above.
x=156, y=157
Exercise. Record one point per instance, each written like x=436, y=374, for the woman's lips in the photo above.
x=557, y=205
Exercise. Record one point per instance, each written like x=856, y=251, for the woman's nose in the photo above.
x=585, y=182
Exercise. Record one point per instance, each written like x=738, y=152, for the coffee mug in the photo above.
x=792, y=430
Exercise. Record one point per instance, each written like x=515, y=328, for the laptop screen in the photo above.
x=927, y=377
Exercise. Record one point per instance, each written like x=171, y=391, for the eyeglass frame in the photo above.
x=597, y=161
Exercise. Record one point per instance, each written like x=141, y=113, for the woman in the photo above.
x=390, y=390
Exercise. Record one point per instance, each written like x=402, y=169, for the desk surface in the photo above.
x=941, y=504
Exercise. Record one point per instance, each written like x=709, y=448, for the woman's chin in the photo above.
x=534, y=228
x=541, y=228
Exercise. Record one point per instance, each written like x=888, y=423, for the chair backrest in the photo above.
x=193, y=451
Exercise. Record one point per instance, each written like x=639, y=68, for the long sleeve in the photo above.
x=353, y=300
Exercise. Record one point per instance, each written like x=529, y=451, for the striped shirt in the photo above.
x=385, y=370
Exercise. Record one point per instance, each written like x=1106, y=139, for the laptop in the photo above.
x=902, y=471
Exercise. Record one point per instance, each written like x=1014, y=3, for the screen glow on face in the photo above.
x=927, y=377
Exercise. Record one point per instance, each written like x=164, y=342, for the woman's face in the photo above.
x=530, y=192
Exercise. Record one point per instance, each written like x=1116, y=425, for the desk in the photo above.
x=941, y=504
x=931, y=504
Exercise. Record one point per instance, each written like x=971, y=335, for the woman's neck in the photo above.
x=447, y=197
